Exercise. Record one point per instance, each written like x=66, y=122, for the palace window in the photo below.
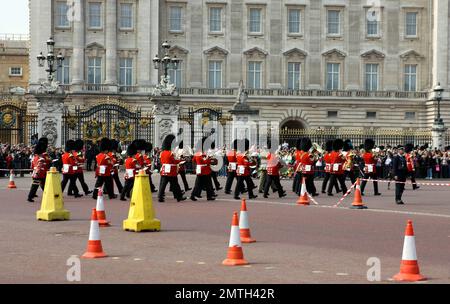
x=410, y=77
x=334, y=22
x=176, y=19
x=61, y=14
x=333, y=75
x=215, y=19
x=63, y=72
x=373, y=23
x=95, y=15
x=15, y=71
x=294, y=21
x=371, y=115
x=126, y=72
x=372, y=77
x=255, y=20
x=95, y=70
x=176, y=76
x=254, y=75
x=126, y=15
x=411, y=24
x=215, y=74
x=294, y=72
x=410, y=115
x=332, y=114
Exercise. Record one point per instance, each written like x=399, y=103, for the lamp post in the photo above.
x=438, y=129
x=53, y=62
x=166, y=62
x=438, y=96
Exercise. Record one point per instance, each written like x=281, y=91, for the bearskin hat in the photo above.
x=131, y=149
x=338, y=144
x=298, y=144
x=70, y=145
x=79, y=145
x=369, y=144
x=213, y=145
x=167, y=143
x=409, y=147
x=181, y=145
x=246, y=144
x=105, y=144
x=348, y=145
x=139, y=144
x=114, y=145
x=40, y=148
x=44, y=141
x=306, y=144
x=329, y=145
x=148, y=147
x=235, y=144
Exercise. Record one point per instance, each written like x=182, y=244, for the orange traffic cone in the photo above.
x=357, y=201
x=235, y=255
x=409, y=267
x=303, y=199
x=244, y=227
x=11, y=184
x=101, y=215
x=94, y=248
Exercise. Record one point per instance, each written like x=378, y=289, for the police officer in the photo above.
x=400, y=170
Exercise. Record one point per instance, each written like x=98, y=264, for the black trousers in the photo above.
x=80, y=177
x=231, y=175
x=116, y=179
x=126, y=191
x=215, y=180
x=297, y=183
x=273, y=180
x=412, y=175
x=351, y=175
x=37, y=182
x=174, y=187
x=105, y=182
x=72, y=179
x=203, y=182
x=184, y=180
x=262, y=182
x=309, y=181
x=240, y=186
x=375, y=183
x=334, y=179
x=325, y=182
x=399, y=188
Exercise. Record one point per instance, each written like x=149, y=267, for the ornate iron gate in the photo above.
x=16, y=126
x=109, y=118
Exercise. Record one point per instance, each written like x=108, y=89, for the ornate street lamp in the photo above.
x=166, y=62
x=438, y=95
x=53, y=62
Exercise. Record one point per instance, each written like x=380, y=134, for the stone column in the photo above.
x=438, y=135
x=245, y=122
x=77, y=63
x=111, y=44
x=50, y=114
x=166, y=110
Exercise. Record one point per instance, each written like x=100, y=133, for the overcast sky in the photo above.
x=14, y=17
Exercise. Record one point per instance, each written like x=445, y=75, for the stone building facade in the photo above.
x=306, y=64
x=14, y=65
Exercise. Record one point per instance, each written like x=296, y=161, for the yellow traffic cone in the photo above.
x=52, y=205
x=141, y=216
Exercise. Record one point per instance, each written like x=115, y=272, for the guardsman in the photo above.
x=337, y=167
x=296, y=186
x=39, y=166
x=274, y=165
x=213, y=153
x=410, y=164
x=370, y=168
x=307, y=161
x=48, y=159
x=116, y=160
x=327, y=161
x=243, y=170
x=349, y=164
x=78, y=170
x=69, y=168
x=203, y=172
x=231, y=168
x=183, y=153
x=104, y=169
x=131, y=169
x=169, y=171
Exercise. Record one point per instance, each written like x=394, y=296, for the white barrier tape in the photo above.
x=345, y=195
x=408, y=182
x=312, y=199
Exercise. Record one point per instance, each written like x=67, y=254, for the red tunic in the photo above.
x=147, y=164
x=336, y=163
x=298, y=159
x=48, y=160
x=203, y=164
x=307, y=163
x=39, y=166
x=68, y=160
x=273, y=165
x=243, y=168
x=409, y=162
x=168, y=164
x=326, y=159
x=232, y=161
x=369, y=163
x=131, y=167
x=114, y=163
x=80, y=161
x=104, y=165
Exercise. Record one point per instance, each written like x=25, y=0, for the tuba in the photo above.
x=316, y=150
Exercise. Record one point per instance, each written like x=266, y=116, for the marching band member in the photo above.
x=69, y=164
x=296, y=186
x=104, y=169
x=48, y=159
x=214, y=152
x=370, y=170
x=263, y=170
x=116, y=162
x=243, y=171
x=307, y=162
x=182, y=153
x=274, y=164
x=336, y=166
x=78, y=170
x=131, y=169
x=203, y=171
x=231, y=168
x=410, y=164
x=349, y=164
x=169, y=171
x=327, y=161
x=40, y=167
x=148, y=164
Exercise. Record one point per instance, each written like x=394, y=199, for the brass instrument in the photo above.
x=317, y=151
x=349, y=160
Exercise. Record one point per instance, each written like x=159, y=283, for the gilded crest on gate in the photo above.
x=122, y=130
x=7, y=118
x=94, y=130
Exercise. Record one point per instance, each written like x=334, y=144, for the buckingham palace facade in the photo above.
x=306, y=64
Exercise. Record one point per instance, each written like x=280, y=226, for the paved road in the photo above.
x=296, y=244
